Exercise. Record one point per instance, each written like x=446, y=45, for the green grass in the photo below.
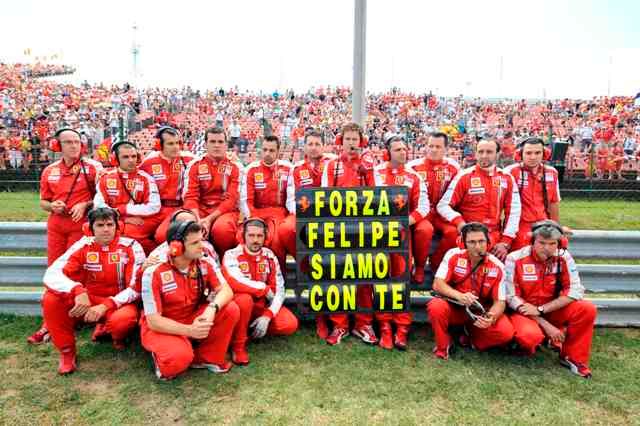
x=302, y=381
x=577, y=214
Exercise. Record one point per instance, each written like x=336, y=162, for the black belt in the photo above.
x=171, y=203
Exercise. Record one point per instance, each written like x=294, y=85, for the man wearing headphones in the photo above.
x=93, y=282
x=547, y=298
x=306, y=173
x=390, y=173
x=263, y=193
x=538, y=188
x=167, y=164
x=189, y=314
x=132, y=192
x=253, y=273
x=351, y=170
x=211, y=191
x=468, y=275
x=437, y=171
x=67, y=187
x=486, y=194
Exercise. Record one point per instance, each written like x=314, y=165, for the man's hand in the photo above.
x=94, y=313
x=412, y=221
x=553, y=332
x=82, y=305
x=209, y=314
x=134, y=220
x=260, y=326
x=467, y=299
x=77, y=211
x=58, y=206
x=500, y=251
x=200, y=327
x=529, y=310
x=150, y=261
x=484, y=321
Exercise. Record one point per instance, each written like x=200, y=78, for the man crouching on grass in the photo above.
x=189, y=314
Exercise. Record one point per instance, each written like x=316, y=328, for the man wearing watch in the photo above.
x=546, y=296
x=186, y=300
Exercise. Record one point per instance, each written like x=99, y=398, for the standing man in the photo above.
x=263, y=193
x=132, y=192
x=67, y=187
x=185, y=303
x=167, y=164
x=253, y=273
x=538, y=188
x=468, y=275
x=93, y=282
x=393, y=173
x=437, y=171
x=547, y=298
x=351, y=170
x=211, y=191
x=486, y=194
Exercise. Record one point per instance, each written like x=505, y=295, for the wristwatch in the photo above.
x=541, y=309
x=215, y=306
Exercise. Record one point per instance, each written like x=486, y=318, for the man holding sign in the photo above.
x=351, y=170
x=469, y=275
x=391, y=173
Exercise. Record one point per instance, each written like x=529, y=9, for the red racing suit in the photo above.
x=534, y=197
x=169, y=176
x=133, y=195
x=71, y=184
x=181, y=296
x=259, y=290
x=213, y=185
x=530, y=280
x=477, y=196
x=351, y=171
x=305, y=174
x=437, y=175
x=263, y=194
x=106, y=273
x=422, y=231
x=487, y=283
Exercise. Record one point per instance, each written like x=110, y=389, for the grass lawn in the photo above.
x=577, y=214
x=300, y=380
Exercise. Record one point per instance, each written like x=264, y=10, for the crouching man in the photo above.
x=546, y=296
x=93, y=282
x=466, y=276
x=189, y=315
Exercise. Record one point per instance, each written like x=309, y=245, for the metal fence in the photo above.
x=600, y=280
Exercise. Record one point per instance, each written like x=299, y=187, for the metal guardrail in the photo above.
x=22, y=271
x=15, y=236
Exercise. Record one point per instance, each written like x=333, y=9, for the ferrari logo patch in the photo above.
x=262, y=267
x=114, y=258
x=131, y=184
x=112, y=183
x=166, y=277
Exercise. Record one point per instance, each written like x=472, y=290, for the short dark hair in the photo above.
x=272, y=138
x=178, y=231
x=314, y=133
x=489, y=140
x=116, y=147
x=166, y=130
x=214, y=131
x=440, y=135
x=532, y=141
x=474, y=227
x=103, y=213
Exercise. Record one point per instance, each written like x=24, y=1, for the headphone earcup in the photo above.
x=563, y=243
x=240, y=235
x=86, y=229
x=54, y=145
x=157, y=145
x=113, y=160
x=176, y=248
x=460, y=242
x=386, y=156
x=338, y=139
x=364, y=141
x=546, y=156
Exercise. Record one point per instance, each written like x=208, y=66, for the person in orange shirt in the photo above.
x=602, y=159
x=616, y=161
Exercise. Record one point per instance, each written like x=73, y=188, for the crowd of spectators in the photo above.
x=602, y=133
